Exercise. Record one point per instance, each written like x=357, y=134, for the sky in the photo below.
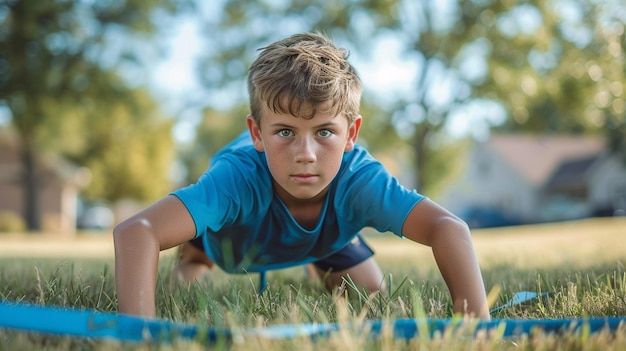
x=175, y=74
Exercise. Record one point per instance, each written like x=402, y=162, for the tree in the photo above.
x=565, y=72
x=61, y=64
x=430, y=33
x=128, y=147
x=244, y=26
x=523, y=56
x=214, y=131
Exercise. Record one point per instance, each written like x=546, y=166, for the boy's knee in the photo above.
x=192, y=264
x=190, y=272
x=366, y=275
x=188, y=253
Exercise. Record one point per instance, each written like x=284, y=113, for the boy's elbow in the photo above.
x=460, y=225
x=130, y=231
x=119, y=232
x=452, y=224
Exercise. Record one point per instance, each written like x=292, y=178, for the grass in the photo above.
x=581, y=264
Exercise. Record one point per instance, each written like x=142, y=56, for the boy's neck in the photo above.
x=305, y=211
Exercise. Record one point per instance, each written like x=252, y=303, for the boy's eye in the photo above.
x=324, y=133
x=285, y=133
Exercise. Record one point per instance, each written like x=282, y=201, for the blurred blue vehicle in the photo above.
x=487, y=217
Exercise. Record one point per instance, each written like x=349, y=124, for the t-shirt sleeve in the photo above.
x=208, y=206
x=223, y=195
x=372, y=197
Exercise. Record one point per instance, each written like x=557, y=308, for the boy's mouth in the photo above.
x=304, y=177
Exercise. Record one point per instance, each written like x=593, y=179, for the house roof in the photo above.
x=537, y=157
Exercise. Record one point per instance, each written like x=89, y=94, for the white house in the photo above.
x=530, y=178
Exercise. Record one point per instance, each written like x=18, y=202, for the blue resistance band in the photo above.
x=107, y=325
x=519, y=298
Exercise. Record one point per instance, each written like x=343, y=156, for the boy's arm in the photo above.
x=138, y=242
x=451, y=242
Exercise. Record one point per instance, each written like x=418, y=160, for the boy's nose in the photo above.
x=305, y=150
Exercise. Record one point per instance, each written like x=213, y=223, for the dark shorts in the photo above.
x=355, y=252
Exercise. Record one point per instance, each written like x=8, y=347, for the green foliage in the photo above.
x=566, y=74
x=215, y=130
x=130, y=151
x=66, y=67
x=447, y=166
x=550, y=71
x=376, y=132
x=249, y=25
x=54, y=53
x=246, y=25
x=11, y=222
x=61, y=68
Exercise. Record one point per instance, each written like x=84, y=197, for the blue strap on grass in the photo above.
x=107, y=325
x=101, y=325
x=519, y=298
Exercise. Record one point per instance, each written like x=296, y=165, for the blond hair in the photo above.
x=302, y=75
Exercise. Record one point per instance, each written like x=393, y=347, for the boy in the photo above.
x=294, y=189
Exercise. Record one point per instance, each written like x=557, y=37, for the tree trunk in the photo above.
x=419, y=146
x=30, y=187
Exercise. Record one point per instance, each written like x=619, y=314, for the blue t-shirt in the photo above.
x=246, y=227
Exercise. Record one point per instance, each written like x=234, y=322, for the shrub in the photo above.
x=11, y=222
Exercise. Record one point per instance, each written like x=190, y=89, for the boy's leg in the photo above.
x=354, y=260
x=192, y=263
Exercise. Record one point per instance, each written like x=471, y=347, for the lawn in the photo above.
x=581, y=265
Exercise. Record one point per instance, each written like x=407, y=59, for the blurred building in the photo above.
x=515, y=179
x=58, y=181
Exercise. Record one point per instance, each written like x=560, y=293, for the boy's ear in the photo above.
x=353, y=133
x=255, y=133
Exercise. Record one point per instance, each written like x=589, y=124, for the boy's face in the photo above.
x=303, y=155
